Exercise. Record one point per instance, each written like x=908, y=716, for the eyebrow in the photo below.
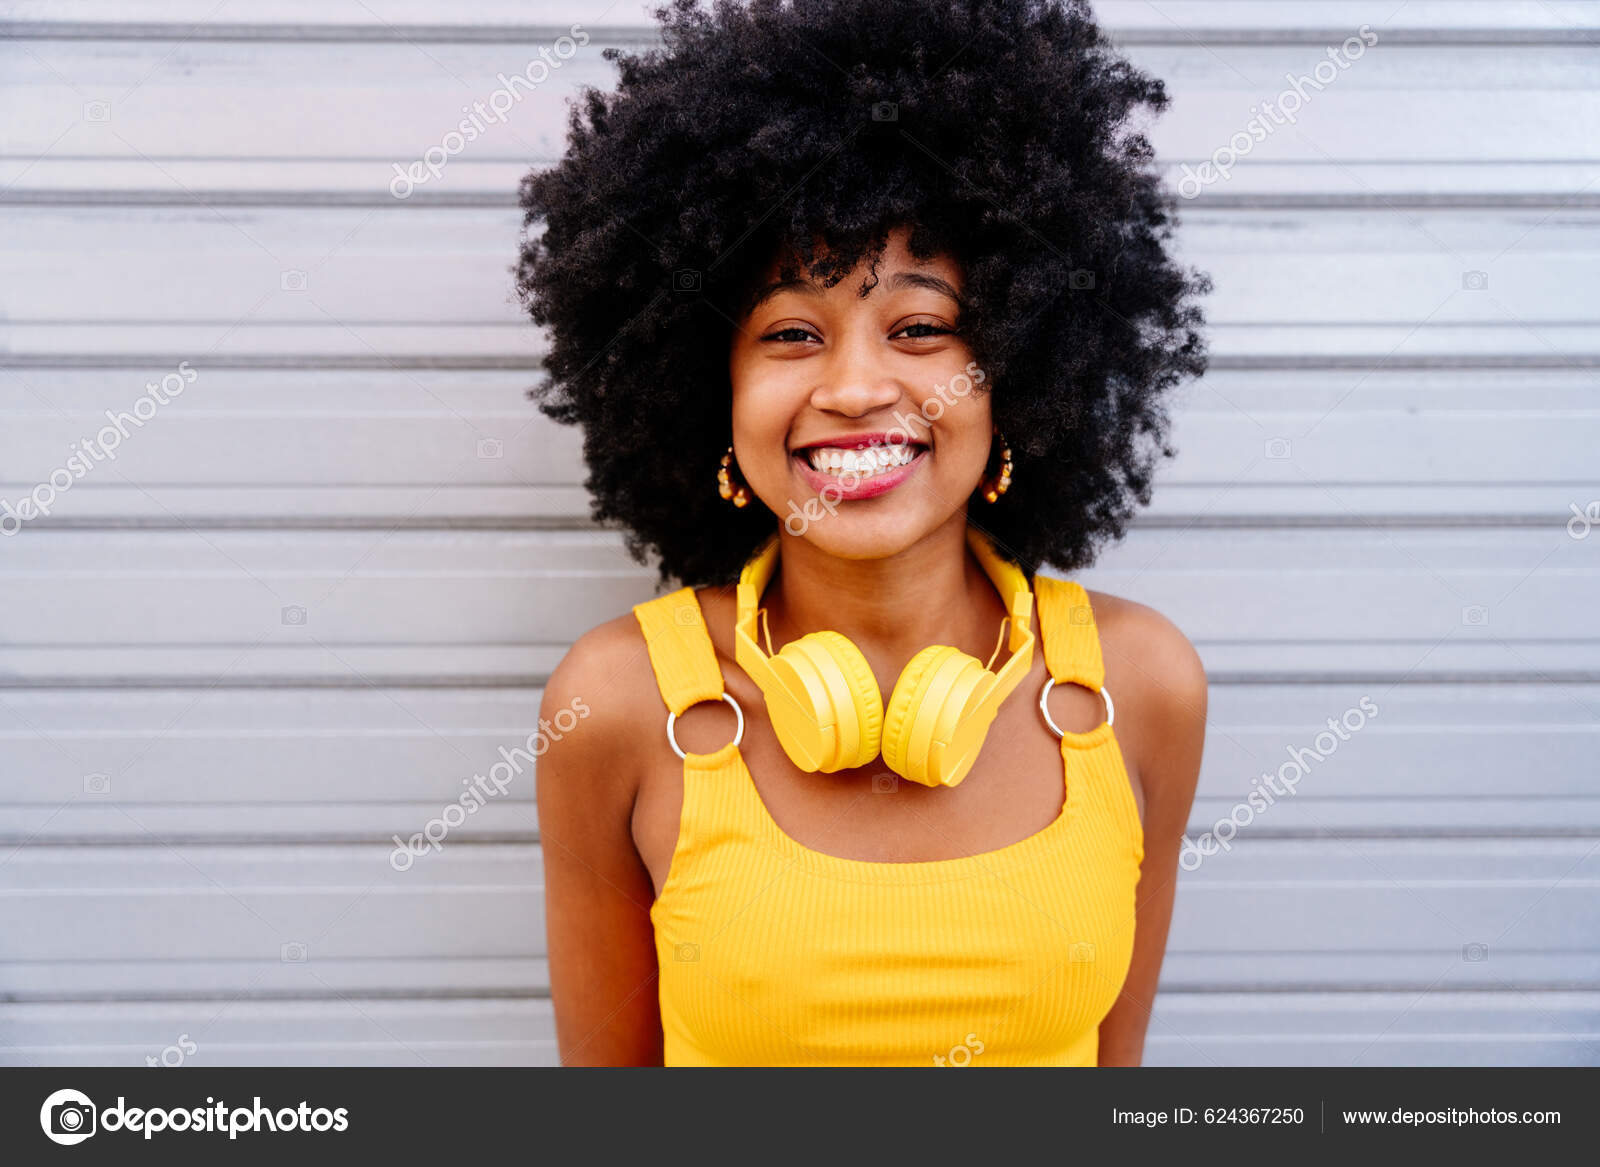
x=900, y=279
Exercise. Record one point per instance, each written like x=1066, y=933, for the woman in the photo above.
x=867, y=314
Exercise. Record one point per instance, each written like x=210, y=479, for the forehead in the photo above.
x=896, y=269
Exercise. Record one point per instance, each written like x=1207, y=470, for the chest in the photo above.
x=1014, y=790
x=1022, y=947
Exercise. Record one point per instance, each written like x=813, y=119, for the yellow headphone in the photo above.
x=825, y=705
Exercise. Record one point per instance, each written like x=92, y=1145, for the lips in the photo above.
x=858, y=466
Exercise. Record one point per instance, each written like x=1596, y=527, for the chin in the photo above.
x=857, y=531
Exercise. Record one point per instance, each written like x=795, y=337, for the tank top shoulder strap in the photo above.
x=1066, y=625
x=681, y=653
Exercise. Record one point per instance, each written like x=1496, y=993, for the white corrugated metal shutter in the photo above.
x=320, y=588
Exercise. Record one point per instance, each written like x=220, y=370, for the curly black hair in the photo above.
x=996, y=130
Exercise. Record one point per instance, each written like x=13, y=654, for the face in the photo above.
x=862, y=422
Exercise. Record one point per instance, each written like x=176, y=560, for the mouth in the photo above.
x=859, y=467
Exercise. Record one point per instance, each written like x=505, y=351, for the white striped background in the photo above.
x=1371, y=499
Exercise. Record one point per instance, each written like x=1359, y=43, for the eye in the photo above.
x=923, y=330
x=790, y=335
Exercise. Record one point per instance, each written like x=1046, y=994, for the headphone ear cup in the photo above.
x=846, y=696
x=925, y=711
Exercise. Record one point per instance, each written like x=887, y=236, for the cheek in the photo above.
x=962, y=426
x=753, y=397
x=762, y=415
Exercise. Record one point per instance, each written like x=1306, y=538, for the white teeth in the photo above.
x=865, y=462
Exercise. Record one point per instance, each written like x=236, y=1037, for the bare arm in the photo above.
x=597, y=890
x=1160, y=669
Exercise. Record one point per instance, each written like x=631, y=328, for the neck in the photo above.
x=933, y=592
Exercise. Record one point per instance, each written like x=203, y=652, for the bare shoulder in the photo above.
x=1154, y=652
x=605, y=681
x=1156, y=676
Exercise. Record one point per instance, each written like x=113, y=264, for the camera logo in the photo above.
x=67, y=1117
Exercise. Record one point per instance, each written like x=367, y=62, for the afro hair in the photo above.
x=1002, y=133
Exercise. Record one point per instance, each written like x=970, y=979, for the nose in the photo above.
x=856, y=380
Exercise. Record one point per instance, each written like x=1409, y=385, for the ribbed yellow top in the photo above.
x=772, y=954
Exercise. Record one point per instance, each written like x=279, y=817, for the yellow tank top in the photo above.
x=772, y=954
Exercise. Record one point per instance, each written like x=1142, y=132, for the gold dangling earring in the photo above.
x=740, y=495
x=994, y=488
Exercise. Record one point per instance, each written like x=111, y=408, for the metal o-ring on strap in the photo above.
x=672, y=737
x=1111, y=709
